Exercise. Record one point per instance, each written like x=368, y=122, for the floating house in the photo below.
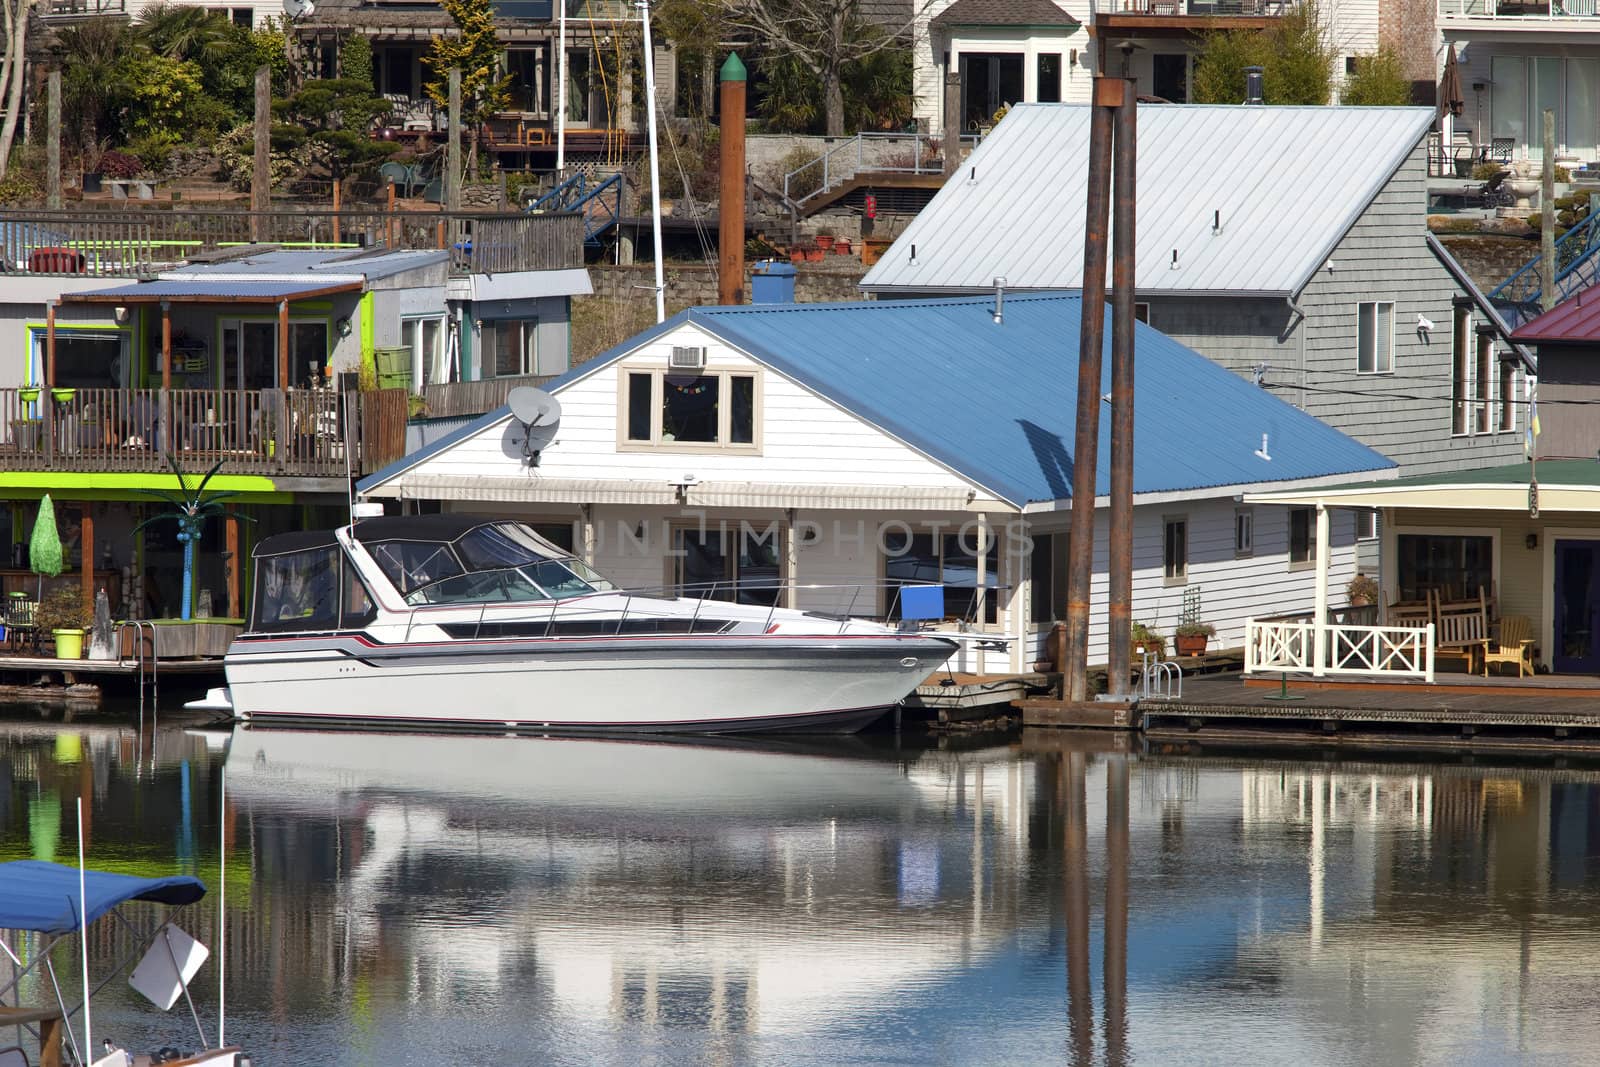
x=823, y=455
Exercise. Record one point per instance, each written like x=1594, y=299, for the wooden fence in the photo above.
x=134, y=242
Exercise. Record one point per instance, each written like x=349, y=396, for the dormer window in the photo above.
x=684, y=410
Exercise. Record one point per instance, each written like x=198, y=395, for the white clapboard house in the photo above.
x=825, y=453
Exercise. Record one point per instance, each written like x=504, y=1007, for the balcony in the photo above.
x=1194, y=9
x=73, y=10
x=298, y=433
x=138, y=243
x=1510, y=14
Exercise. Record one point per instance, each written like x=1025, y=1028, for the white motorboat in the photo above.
x=450, y=620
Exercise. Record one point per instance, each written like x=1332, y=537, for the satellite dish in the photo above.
x=298, y=9
x=539, y=414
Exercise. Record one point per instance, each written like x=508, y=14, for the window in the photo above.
x=1302, y=537
x=1461, y=372
x=301, y=591
x=1507, y=420
x=1141, y=312
x=423, y=337
x=693, y=411
x=1366, y=524
x=989, y=81
x=510, y=347
x=530, y=79
x=1175, y=550
x=1485, y=386
x=1375, y=337
x=1244, y=533
x=1048, y=573
x=1169, y=76
x=743, y=565
x=1048, y=82
x=91, y=359
x=1454, y=566
x=949, y=560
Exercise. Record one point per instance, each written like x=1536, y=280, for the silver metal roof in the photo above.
x=1286, y=183
x=299, y=263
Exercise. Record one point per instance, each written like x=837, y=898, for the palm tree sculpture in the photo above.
x=192, y=509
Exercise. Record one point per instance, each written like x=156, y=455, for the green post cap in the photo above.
x=733, y=69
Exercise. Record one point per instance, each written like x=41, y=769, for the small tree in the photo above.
x=476, y=52
x=1378, y=81
x=44, y=546
x=1293, y=53
x=332, y=119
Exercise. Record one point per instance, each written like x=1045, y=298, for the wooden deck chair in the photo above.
x=1463, y=628
x=1515, y=645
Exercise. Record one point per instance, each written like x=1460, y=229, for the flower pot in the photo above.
x=797, y=255
x=824, y=241
x=1190, y=646
x=28, y=394
x=814, y=255
x=841, y=247
x=69, y=643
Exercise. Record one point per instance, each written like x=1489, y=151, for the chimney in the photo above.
x=1252, y=85
x=730, y=221
x=999, y=301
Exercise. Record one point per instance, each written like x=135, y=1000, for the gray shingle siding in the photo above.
x=1384, y=257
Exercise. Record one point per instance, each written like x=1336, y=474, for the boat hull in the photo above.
x=712, y=684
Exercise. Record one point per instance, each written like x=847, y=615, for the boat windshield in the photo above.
x=492, y=563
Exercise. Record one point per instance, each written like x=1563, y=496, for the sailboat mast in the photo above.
x=561, y=91
x=655, y=160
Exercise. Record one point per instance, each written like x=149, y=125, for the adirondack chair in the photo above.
x=1515, y=645
x=1462, y=627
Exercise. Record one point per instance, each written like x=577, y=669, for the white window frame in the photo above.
x=1169, y=575
x=722, y=444
x=419, y=355
x=1366, y=524
x=1244, y=533
x=1379, y=365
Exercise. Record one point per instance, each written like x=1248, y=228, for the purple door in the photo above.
x=1577, y=607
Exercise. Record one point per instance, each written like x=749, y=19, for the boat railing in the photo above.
x=728, y=592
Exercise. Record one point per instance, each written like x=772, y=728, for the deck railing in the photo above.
x=1194, y=8
x=1518, y=10
x=139, y=242
x=289, y=432
x=1290, y=646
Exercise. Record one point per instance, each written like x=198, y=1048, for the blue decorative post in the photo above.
x=188, y=570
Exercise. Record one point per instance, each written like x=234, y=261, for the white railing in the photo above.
x=1292, y=646
x=879, y=153
x=1200, y=8
x=1517, y=10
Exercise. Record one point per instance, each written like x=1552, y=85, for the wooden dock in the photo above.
x=962, y=697
x=1542, y=713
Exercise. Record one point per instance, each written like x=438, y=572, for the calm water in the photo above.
x=424, y=900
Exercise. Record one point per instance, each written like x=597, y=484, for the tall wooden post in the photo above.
x=231, y=536
x=452, y=173
x=730, y=221
x=53, y=142
x=86, y=549
x=1075, y=888
x=283, y=344
x=50, y=344
x=166, y=345
x=1547, y=216
x=952, y=122
x=338, y=188
x=1091, y=335
x=1120, y=554
x=261, y=177
x=1115, y=971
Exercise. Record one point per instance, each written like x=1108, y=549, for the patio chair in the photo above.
x=1463, y=628
x=1515, y=645
x=1417, y=613
x=20, y=627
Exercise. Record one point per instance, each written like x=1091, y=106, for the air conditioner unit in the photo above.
x=687, y=358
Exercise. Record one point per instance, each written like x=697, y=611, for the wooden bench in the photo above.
x=48, y=1020
x=1462, y=627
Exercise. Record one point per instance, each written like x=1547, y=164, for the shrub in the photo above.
x=1150, y=640
x=1563, y=174
x=115, y=164
x=1195, y=629
x=807, y=180
x=62, y=609
x=1484, y=172
x=1363, y=588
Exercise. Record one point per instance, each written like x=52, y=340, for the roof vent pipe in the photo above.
x=1252, y=85
x=999, y=301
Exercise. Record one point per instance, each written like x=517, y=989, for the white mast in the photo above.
x=561, y=90
x=655, y=162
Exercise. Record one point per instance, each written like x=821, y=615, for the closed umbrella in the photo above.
x=1451, y=104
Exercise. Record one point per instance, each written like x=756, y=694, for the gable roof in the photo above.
x=1003, y=13
x=996, y=402
x=1288, y=182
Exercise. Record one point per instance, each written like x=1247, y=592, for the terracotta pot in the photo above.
x=1190, y=646
x=841, y=247
x=814, y=255
x=797, y=255
x=824, y=241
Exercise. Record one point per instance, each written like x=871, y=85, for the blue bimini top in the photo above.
x=44, y=896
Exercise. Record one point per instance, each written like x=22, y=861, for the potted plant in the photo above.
x=1363, y=591
x=797, y=255
x=814, y=254
x=61, y=612
x=1147, y=640
x=1190, y=637
x=825, y=239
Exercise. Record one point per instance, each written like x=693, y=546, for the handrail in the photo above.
x=834, y=176
x=1574, y=249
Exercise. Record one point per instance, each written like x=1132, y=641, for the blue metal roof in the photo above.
x=997, y=402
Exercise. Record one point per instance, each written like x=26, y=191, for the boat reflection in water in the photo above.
x=743, y=889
